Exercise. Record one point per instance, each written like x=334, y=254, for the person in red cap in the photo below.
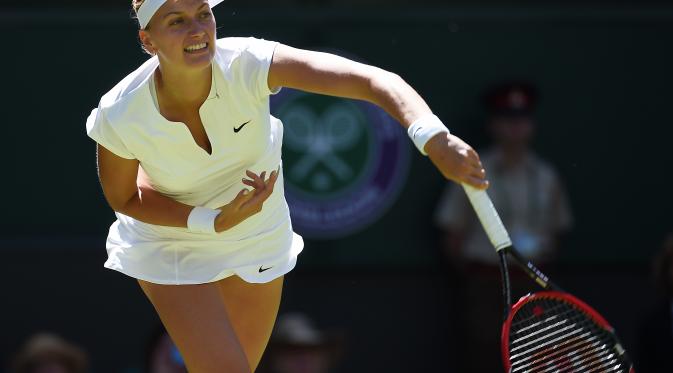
x=529, y=196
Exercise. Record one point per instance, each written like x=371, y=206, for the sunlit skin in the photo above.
x=183, y=78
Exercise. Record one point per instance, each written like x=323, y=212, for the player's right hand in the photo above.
x=456, y=160
x=247, y=202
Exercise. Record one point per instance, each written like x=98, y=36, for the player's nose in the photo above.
x=197, y=30
x=197, y=33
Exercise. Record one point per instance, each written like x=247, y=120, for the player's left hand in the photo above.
x=456, y=160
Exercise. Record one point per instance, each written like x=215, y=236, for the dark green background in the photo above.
x=604, y=120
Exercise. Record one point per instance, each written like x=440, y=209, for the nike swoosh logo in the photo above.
x=261, y=269
x=416, y=132
x=236, y=130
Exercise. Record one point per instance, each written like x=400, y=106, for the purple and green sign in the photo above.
x=344, y=161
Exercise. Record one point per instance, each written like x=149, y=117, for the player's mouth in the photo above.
x=196, y=48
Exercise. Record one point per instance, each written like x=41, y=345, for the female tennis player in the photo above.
x=189, y=159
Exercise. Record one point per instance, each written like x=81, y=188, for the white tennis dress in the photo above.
x=244, y=136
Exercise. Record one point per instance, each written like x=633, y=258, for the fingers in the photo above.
x=476, y=182
x=473, y=158
x=475, y=175
x=478, y=173
x=242, y=197
x=263, y=189
x=459, y=162
x=255, y=181
x=258, y=182
x=272, y=178
x=268, y=186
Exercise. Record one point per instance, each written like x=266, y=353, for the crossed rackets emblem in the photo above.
x=319, y=139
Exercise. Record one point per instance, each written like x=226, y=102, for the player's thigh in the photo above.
x=252, y=309
x=197, y=321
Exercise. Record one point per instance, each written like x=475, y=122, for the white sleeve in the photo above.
x=100, y=130
x=256, y=60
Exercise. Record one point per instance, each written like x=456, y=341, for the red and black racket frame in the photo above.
x=551, y=290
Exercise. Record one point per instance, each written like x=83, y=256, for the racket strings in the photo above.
x=568, y=350
x=580, y=357
x=548, y=335
x=577, y=352
x=529, y=319
x=575, y=361
x=566, y=353
x=546, y=328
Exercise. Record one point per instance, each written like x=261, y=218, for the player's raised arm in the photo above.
x=332, y=75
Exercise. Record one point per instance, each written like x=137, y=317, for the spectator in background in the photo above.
x=49, y=353
x=162, y=355
x=655, y=336
x=298, y=347
x=530, y=199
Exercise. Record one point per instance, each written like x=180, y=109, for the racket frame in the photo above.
x=499, y=237
x=553, y=294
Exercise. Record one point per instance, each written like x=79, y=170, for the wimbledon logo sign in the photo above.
x=345, y=162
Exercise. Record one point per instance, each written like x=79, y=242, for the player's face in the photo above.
x=182, y=33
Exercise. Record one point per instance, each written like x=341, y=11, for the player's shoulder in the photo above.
x=232, y=43
x=238, y=44
x=242, y=50
x=129, y=87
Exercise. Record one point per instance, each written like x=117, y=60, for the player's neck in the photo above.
x=184, y=88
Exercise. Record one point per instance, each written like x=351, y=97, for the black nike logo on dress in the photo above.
x=264, y=269
x=236, y=130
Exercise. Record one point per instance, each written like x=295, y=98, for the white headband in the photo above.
x=149, y=7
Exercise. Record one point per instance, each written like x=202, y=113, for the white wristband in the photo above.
x=202, y=220
x=423, y=129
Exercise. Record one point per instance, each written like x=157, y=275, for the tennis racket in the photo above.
x=551, y=330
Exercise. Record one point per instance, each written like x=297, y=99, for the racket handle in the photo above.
x=488, y=217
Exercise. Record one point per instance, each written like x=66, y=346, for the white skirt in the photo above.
x=183, y=257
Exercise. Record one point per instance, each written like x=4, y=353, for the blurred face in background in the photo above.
x=51, y=367
x=182, y=34
x=512, y=133
x=308, y=360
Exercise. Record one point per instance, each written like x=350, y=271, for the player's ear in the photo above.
x=146, y=42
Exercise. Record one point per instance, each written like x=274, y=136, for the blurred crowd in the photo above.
x=297, y=346
x=49, y=353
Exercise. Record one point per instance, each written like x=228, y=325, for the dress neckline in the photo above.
x=154, y=102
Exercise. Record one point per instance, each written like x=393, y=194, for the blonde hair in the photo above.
x=136, y=4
